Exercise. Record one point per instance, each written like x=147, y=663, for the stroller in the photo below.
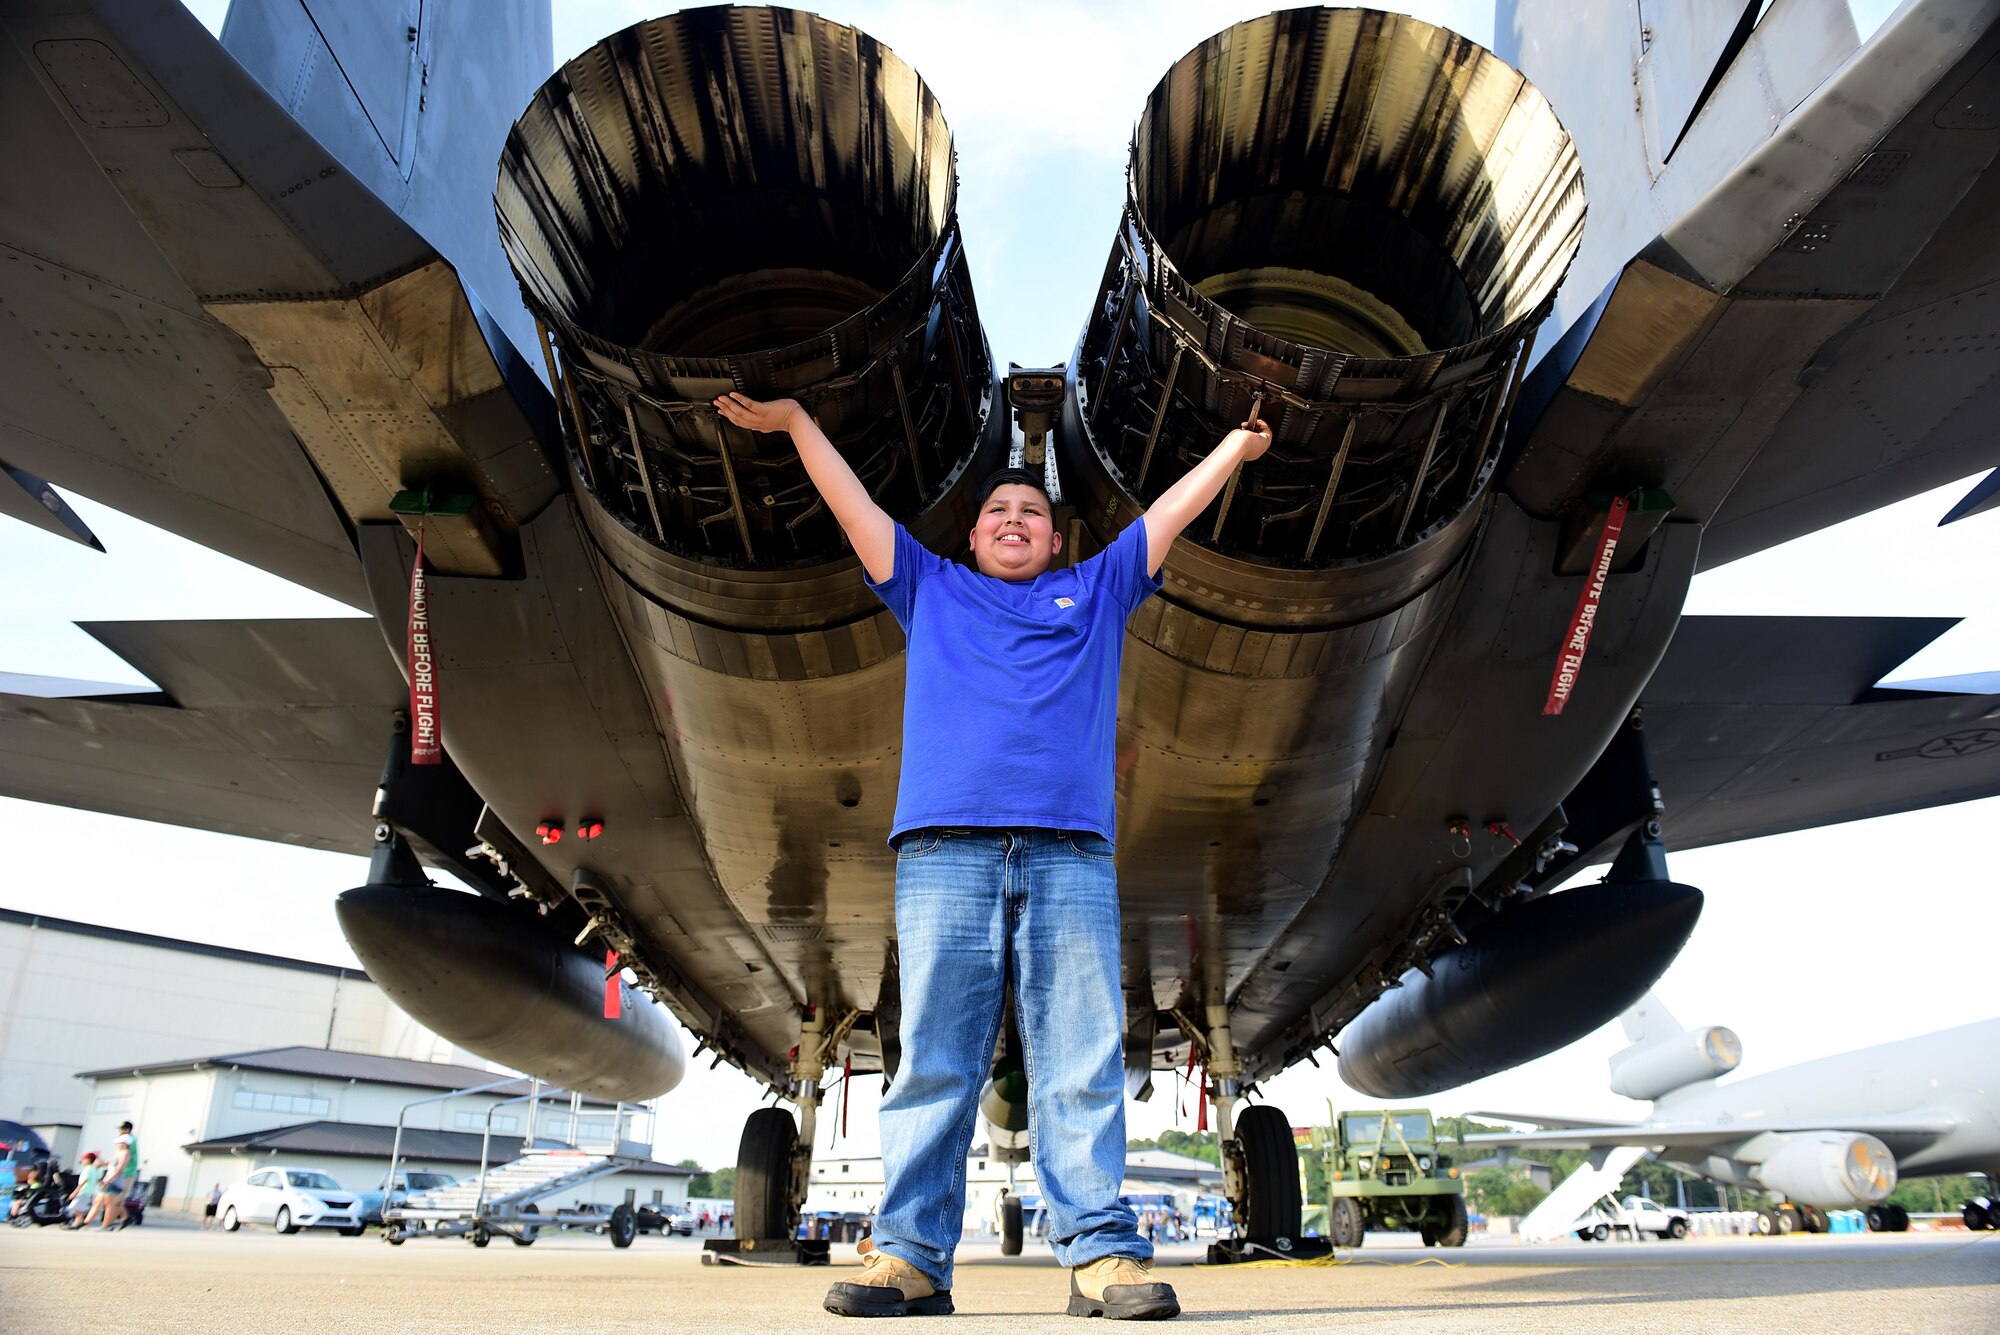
x=38, y=1204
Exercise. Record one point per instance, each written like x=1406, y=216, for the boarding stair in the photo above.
x=502, y=1199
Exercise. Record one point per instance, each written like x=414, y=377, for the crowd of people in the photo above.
x=99, y=1196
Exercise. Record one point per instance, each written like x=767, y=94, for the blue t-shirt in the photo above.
x=1011, y=703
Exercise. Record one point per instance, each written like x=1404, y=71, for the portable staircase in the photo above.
x=502, y=1198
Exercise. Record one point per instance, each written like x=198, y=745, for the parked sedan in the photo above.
x=289, y=1199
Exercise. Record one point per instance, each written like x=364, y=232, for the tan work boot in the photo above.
x=889, y=1286
x=1122, y=1289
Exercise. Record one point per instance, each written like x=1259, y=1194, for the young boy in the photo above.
x=1004, y=865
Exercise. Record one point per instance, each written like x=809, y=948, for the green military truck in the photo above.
x=1384, y=1172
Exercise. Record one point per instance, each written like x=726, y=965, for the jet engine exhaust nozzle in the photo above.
x=1357, y=219
x=751, y=199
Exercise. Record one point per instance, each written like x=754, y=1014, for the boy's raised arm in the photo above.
x=1180, y=503
x=866, y=524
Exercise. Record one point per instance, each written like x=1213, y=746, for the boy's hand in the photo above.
x=751, y=415
x=1253, y=438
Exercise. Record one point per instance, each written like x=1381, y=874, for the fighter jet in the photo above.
x=361, y=296
x=1835, y=1133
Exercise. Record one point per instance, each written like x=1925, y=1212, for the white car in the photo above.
x=1633, y=1216
x=289, y=1199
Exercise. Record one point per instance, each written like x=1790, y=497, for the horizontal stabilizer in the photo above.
x=1970, y=683
x=1762, y=725
x=1786, y=660
x=267, y=729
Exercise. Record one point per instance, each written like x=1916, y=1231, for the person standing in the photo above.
x=124, y=1173
x=208, y=1210
x=89, y=1173
x=1005, y=874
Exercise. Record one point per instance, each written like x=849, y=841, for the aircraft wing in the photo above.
x=266, y=729
x=1546, y=1122
x=1672, y=1135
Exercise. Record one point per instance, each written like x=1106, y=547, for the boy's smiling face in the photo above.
x=1015, y=538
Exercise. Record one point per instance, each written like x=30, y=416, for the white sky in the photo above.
x=1811, y=944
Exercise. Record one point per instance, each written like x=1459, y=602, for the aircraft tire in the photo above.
x=1899, y=1219
x=1346, y=1226
x=1878, y=1218
x=1010, y=1226
x=764, y=1173
x=1271, y=1170
x=1765, y=1224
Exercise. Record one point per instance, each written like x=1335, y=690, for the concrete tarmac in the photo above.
x=163, y=1278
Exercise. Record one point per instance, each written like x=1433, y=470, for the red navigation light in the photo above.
x=589, y=829
x=550, y=833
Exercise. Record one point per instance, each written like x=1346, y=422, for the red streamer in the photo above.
x=1569, y=662
x=614, y=989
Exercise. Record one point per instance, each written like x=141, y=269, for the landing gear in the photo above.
x=1886, y=1218
x=624, y=1225
x=1271, y=1205
x=1010, y=1226
x=774, y=1165
x=1260, y=1164
x=763, y=1175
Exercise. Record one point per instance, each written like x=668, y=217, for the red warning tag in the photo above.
x=1569, y=662
x=426, y=747
x=614, y=987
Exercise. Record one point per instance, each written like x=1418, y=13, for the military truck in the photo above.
x=1384, y=1172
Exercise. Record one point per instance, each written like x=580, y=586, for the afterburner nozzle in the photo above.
x=1356, y=220
x=757, y=200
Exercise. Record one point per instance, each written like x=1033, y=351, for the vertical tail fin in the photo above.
x=415, y=98
x=1649, y=1020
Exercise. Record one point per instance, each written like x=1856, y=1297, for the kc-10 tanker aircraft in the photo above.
x=1830, y=1134
x=1417, y=667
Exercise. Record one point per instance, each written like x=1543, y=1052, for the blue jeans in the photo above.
x=975, y=911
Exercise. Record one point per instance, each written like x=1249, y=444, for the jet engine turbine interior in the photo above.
x=757, y=200
x=1356, y=220
x=1830, y=1169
